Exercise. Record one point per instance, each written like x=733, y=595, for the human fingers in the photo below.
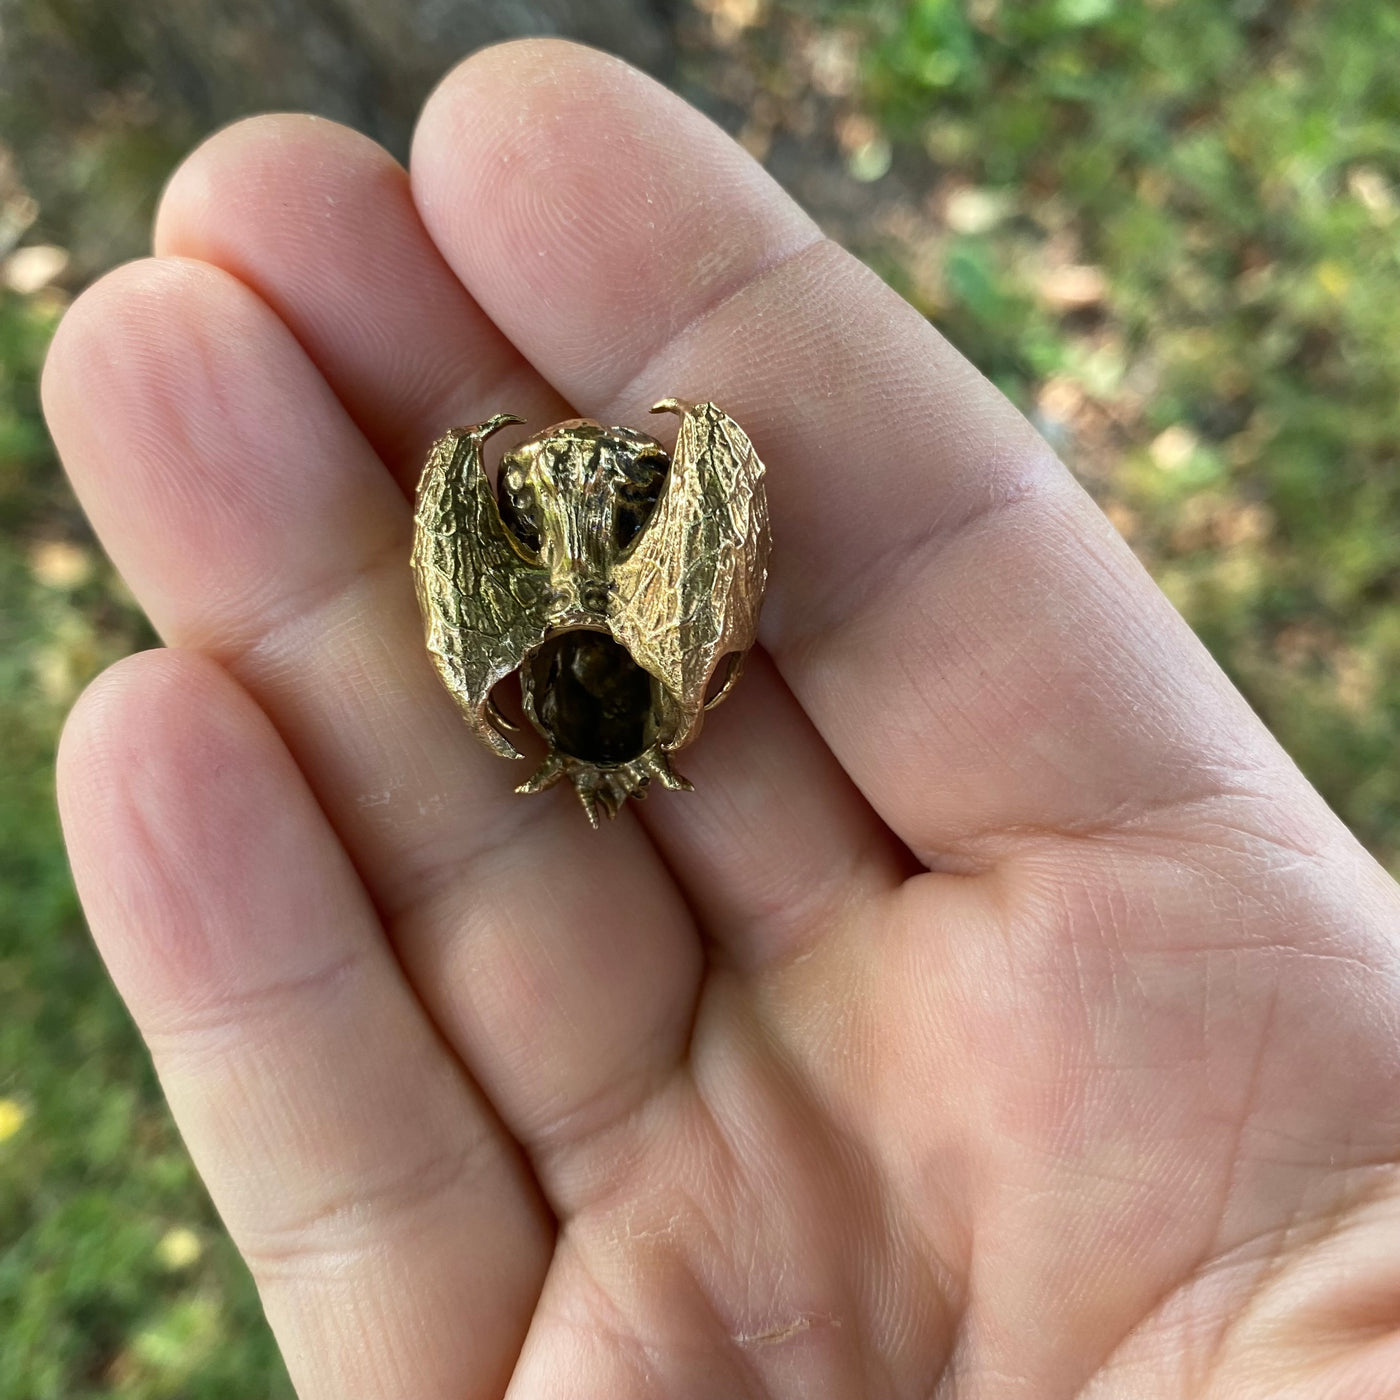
x=254, y=523
x=972, y=639
x=320, y=222
x=397, y=1240
x=775, y=847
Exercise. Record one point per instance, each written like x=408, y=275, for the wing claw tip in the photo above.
x=494, y=424
x=501, y=746
x=489, y=735
x=499, y=720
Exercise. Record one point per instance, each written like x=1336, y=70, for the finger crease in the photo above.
x=622, y=398
x=355, y=1221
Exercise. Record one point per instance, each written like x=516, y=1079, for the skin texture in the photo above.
x=1002, y=1016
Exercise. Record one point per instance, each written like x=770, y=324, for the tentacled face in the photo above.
x=615, y=580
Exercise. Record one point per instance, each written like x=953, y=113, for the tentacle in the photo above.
x=546, y=775
x=658, y=763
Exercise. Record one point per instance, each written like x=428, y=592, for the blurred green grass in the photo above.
x=1170, y=231
x=115, y=1278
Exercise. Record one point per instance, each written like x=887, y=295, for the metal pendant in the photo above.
x=616, y=580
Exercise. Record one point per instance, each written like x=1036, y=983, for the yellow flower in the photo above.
x=1333, y=278
x=179, y=1247
x=12, y=1117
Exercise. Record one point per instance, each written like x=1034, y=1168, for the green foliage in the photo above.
x=1229, y=172
x=94, y=1300
x=1170, y=230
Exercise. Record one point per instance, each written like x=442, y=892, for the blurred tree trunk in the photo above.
x=98, y=100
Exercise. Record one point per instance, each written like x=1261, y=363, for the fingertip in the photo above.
x=137, y=346
x=503, y=102
x=528, y=69
x=102, y=384
x=128, y=361
x=91, y=332
x=588, y=208
x=86, y=741
x=190, y=830
x=273, y=164
x=319, y=221
x=179, y=402
x=155, y=717
x=130, y=793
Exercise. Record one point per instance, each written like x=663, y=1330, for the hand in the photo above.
x=1003, y=1016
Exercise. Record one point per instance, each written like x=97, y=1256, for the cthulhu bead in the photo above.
x=621, y=583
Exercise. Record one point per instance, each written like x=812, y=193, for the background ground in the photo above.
x=1170, y=231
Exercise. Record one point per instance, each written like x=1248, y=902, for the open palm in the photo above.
x=1003, y=1016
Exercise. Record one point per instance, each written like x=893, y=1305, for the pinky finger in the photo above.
x=397, y=1242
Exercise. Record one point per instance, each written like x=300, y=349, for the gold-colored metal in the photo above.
x=614, y=578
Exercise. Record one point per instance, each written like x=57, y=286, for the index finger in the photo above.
x=972, y=638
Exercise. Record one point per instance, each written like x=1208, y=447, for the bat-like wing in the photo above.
x=481, y=591
x=688, y=592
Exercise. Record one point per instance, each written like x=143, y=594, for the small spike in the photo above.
x=585, y=781
x=606, y=789
x=616, y=789
x=545, y=776
x=659, y=766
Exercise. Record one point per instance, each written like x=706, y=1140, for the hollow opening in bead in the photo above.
x=591, y=698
